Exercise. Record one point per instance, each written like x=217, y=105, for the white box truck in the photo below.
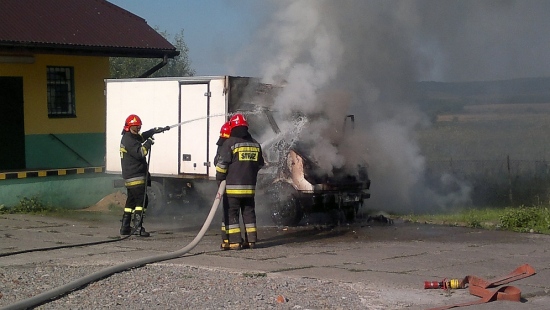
x=182, y=158
x=183, y=155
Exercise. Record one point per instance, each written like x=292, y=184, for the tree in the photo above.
x=127, y=67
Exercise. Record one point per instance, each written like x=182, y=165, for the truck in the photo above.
x=181, y=159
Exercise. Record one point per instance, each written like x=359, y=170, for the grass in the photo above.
x=485, y=140
x=475, y=218
x=535, y=219
x=501, y=151
x=35, y=206
x=31, y=205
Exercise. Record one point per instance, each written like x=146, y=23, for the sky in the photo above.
x=215, y=31
x=456, y=40
x=362, y=57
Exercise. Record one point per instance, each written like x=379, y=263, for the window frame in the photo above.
x=60, y=92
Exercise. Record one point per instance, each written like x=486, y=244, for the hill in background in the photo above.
x=442, y=98
x=490, y=120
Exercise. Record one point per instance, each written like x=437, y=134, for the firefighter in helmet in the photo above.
x=240, y=158
x=134, y=147
x=225, y=131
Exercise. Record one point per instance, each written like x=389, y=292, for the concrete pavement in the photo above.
x=393, y=261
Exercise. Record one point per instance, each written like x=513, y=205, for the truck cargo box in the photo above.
x=186, y=150
x=195, y=108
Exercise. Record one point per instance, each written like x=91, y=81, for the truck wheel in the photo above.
x=284, y=205
x=155, y=196
x=351, y=212
x=337, y=217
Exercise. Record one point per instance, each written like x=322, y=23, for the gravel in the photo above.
x=171, y=286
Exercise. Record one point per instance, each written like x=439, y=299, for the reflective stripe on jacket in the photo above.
x=133, y=159
x=238, y=164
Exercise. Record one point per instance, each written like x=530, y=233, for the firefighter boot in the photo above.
x=230, y=246
x=225, y=238
x=246, y=244
x=143, y=233
x=138, y=222
x=125, y=229
x=235, y=246
x=227, y=245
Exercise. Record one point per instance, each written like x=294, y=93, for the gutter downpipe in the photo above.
x=155, y=68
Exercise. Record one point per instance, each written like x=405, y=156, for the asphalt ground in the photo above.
x=391, y=260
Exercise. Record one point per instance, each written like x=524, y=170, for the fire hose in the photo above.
x=480, y=287
x=137, y=225
x=51, y=294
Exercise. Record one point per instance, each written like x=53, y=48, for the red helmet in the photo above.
x=238, y=120
x=132, y=120
x=225, y=131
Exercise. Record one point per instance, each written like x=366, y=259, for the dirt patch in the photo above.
x=117, y=199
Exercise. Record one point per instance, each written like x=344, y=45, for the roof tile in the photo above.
x=76, y=23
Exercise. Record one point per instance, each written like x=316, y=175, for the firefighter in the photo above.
x=134, y=148
x=238, y=164
x=225, y=132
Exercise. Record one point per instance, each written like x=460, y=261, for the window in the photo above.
x=61, y=92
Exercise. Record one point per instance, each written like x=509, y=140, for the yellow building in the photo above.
x=54, y=57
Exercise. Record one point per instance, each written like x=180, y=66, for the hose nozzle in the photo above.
x=445, y=284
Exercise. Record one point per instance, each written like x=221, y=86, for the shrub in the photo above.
x=27, y=205
x=523, y=219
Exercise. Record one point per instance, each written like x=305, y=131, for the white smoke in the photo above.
x=362, y=57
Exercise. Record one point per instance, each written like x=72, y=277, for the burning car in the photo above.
x=292, y=185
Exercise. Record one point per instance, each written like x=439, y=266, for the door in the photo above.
x=12, y=139
x=193, y=149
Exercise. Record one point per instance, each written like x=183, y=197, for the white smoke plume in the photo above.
x=337, y=58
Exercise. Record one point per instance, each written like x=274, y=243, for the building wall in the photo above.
x=63, y=142
x=75, y=191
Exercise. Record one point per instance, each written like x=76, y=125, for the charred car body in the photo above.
x=292, y=185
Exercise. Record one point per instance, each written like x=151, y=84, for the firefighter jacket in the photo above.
x=133, y=157
x=238, y=163
x=219, y=144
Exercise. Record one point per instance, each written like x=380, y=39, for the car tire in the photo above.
x=284, y=204
x=156, y=199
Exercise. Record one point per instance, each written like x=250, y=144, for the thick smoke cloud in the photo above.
x=362, y=57
x=454, y=40
x=483, y=40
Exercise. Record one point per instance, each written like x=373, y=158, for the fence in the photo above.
x=499, y=182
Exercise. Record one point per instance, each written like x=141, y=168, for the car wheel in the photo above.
x=284, y=205
x=155, y=196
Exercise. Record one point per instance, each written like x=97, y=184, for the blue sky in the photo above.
x=459, y=41
x=215, y=30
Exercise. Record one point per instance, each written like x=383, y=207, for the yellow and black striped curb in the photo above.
x=47, y=173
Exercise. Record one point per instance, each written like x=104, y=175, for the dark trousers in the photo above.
x=236, y=205
x=136, y=202
x=225, y=218
x=136, y=199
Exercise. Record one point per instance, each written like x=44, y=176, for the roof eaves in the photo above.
x=68, y=25
x=86, y=50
